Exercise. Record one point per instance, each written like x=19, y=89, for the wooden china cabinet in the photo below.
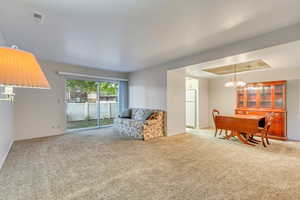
x=262, y=98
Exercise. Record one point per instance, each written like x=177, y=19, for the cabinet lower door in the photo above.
x=278, y=125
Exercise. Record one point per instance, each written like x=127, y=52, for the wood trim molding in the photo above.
x=70, y=74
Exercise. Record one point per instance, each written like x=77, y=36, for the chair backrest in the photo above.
x=215, y=112
x=269, y=120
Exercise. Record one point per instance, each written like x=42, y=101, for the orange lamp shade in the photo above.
x=20, y=69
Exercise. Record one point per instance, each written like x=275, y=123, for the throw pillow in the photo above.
x=153, y=116
x=146, y=115
x=126, y=114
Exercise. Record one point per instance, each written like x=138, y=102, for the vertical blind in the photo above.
x=123, y=96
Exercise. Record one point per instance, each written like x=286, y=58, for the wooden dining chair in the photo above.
x=264, y=131
x=215, y=112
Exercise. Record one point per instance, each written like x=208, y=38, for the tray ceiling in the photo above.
x=240, y=67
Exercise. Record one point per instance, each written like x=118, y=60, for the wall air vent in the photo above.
x=240, y=67
x=38, y=17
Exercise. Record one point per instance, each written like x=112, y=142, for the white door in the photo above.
x=191, y=108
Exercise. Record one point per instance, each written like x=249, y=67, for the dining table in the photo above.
x=240, y=125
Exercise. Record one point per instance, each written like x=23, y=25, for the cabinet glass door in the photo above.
x=251, y=97
x=278, y=96
x=265, y=96
x=240, y=97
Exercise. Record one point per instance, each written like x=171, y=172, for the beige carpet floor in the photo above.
x=102, y=165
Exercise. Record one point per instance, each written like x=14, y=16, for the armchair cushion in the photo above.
x=130, y=127
x=141, y=114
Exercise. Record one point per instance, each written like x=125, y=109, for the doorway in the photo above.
x=91, y=104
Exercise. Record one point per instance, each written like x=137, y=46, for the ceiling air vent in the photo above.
x=38, y=17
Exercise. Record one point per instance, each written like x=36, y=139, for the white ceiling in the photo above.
x=280, y=56
x=128, y=35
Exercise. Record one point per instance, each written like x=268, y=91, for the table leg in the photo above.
x=242, y=139
x=230, y=135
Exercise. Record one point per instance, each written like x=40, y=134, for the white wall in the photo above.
x=203, y=103
x=147, y=89
x=2, y=41
x=40, y=113
x=6, y=123
x=175, y=102
x=224, y=99
x=220, y=97
x=6, y=128
x=293, y=107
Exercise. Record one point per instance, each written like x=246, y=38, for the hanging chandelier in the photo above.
x=235, y=82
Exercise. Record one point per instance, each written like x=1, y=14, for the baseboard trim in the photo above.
x=6, y=154
x=176, y=134
x=38, y=138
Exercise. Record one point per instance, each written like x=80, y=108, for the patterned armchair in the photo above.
x=143, y=129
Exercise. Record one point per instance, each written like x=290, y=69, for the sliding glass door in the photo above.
x=91, y=104
x=108, y=102
x=81, y=100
